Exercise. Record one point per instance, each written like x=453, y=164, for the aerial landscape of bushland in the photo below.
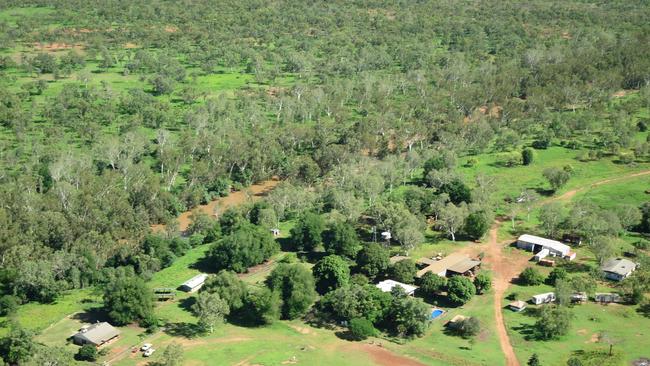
x=335, y=182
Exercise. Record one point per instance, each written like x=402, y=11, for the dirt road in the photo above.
x=505, y=268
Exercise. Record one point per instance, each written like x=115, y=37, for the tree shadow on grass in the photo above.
x=92, y=315
x=185, y=330
x=346, y=335
x=285, y=244
x=527, y=330
x=644, y=310
x=205, y=265
x=544, y=192
x=575, y=267
x=187, y=303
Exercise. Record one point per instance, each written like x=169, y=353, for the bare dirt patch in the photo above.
x=56, y=47
x=385, y=357
x=594, y=338
x=219, y=205
x=302, y=330
x=202, y=342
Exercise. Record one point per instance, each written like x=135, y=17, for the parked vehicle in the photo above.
x=145, y=347
x=149, y=352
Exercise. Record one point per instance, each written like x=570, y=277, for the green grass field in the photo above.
x=621, y=322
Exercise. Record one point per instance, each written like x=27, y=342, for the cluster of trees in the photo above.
x=288, y=293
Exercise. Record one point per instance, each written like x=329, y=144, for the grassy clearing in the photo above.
x=509, y=182
x=437, y=348
x=623, y=323
x=37, y=317
x=628, y=191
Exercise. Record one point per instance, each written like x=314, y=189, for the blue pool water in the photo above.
x=436, y=313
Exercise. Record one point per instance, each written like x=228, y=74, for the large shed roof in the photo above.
x=546, y=243
x=98, y=333
x=196, y=280
x=620, y=266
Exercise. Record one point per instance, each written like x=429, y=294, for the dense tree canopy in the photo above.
x=245, y=247
x=128, y=299
x=331, y=273
x=295, y=286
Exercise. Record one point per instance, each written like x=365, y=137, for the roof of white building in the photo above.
x=546, y=243
x=196, y=280
x=387, y=286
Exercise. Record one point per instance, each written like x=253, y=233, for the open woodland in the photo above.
x=145, y=142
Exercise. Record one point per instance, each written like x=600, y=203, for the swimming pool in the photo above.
x=436, y=313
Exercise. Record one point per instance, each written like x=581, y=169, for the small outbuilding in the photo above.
x=607, y=298
x=97, y=334
x=517, y=306
x=455, y=321
x=544, y=298
x=618, y=269
x=387, y=286
x=194, y=283
x=579, y=297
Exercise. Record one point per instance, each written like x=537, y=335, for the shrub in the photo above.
x=361, y=328
x=553, y=322
x=404, y=271
x=431, y=284
x=8, y=305
x=460, y=289
x=87, y=352
x=531, y=277
x=482, y=282
x=556, y=274
x=527, y=156
x=468, y=327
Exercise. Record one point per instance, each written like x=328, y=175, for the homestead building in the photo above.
x=451, y=265
x=618, y=269
x=97, y=334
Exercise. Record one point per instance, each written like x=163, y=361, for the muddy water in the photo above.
x=216, y=207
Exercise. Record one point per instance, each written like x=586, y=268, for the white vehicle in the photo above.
x=145, y=347
x=149, y=352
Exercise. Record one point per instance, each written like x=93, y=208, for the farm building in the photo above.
x=579, y=297
x=543, y=247
x=456, y=320
x=517, y=306
x=543, y=298
x=387, y=286
x=453, y=264
x=194, y=283
x=606, y=298
x=97, y=334
x=618, y=269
